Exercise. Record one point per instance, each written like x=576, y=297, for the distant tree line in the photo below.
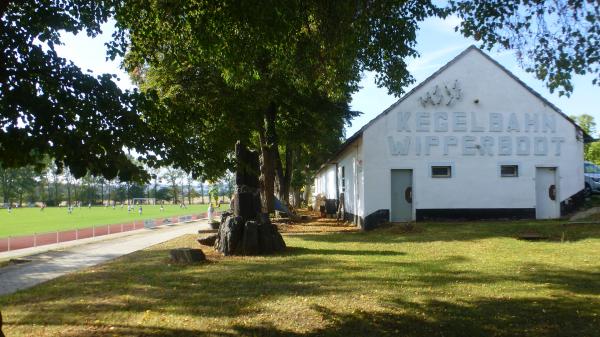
x=591, y=151
x=30, y=185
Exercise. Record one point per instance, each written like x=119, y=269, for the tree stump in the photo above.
x=187, y=255
x=247, y=231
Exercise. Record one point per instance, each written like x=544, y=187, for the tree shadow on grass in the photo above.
x=490, y=317
x=235, y=287
x=225, y=289
x=555, y=231
x=301, y=251
x=541, y=317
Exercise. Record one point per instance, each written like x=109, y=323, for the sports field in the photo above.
x=24, y=221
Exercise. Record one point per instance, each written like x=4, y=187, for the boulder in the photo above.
x=187, y=255
x=208, y=240
x=270, y=241
x=250, y=244
x=230, y=235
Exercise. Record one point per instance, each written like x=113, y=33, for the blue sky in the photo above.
x=437, y=44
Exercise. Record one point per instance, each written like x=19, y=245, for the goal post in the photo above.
x=144, y=201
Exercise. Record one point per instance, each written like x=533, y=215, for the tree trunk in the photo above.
x=175, y=191
x=268, y=146
x=56, y=198
x=284, y=175
x=49, y=191
x=182, y=194
x=189, y=193
x=247, y=231
x=108, y=194
x=307, y=188
x=4, y=189
x=202, y=191
x=296, y=198
x=102, y=192
x=68, y=194
x=155, y=188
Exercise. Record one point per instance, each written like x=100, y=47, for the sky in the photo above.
x=437, y=44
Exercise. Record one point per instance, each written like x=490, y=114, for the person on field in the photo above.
x=140, y=209
x=210, y=212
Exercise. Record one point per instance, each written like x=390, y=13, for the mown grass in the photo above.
x=24, y=221
x=453, y=279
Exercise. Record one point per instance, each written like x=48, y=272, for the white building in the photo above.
x=471, y=141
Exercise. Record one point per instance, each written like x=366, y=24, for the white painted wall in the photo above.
x=486, y=91
x=325, y=182
x=351, y=160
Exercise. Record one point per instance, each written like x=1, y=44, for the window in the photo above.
x=441, y=171
x=509, y=170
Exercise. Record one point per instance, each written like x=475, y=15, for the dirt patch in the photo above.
x=311, y=222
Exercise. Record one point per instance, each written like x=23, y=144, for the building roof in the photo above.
x=358, y=134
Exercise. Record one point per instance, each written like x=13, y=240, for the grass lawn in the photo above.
x=23, y=221
x=452, y=279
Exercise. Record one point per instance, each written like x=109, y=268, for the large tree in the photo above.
x=233, y=68
x=229, y=70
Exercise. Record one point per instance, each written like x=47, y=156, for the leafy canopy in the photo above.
x=215, y=67
x=49, y=106
x=554, y=39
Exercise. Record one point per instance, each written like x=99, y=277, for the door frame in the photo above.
x=556, y=184
x=412, y=181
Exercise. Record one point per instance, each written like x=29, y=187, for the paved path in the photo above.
x=52, y=264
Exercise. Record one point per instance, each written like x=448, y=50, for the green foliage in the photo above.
x=553, y=39
x=586, y=122
x=591, y=151
x=49, y=106
x=209, y=70
x=213, y=69
x=307, y=44
x=17, y=184
x=213, y=192
x=164, y=193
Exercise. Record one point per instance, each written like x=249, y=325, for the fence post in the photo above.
x=56, y=237
x=121, y=228
x=93, y=231
x=35, y=239
x=8, y=244
x=76, y=233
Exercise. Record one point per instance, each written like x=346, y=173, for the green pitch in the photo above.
x=24, y=221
